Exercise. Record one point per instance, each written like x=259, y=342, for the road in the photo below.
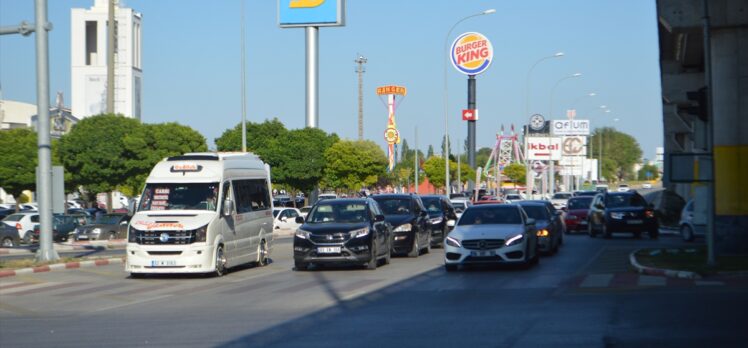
x=584, y=296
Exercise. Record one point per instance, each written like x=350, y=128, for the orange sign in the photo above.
x=399, y=90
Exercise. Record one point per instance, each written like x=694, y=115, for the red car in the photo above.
x=577, y=209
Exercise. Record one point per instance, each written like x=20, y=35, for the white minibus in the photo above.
x=202, y=213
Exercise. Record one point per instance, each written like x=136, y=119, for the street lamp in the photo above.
x=553, y=90
x=576, y=101
x=527, y=80
x=446, y=116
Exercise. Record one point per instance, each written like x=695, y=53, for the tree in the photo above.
x=259, y=135
x=404, y=150
x=648, y=172
x=482, y=155
x=430, y=152
x=94, y=152
x=150, y=143
x=18, y=161
x=299, y=158
x=353, y=164
x=444, y=137
x=620, y=153
x=516, y=172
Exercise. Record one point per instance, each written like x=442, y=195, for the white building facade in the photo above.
x=88, y=40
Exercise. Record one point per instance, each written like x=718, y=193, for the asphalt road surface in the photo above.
x=584, y=296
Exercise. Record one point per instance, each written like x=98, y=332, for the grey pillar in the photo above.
x=471, y=124
x=46, y=251
x=312, y=76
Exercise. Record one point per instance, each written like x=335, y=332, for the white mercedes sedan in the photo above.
x=492, y=234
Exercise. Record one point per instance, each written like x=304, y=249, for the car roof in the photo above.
x=345, y=200
x=532, y=203
x=393, y=195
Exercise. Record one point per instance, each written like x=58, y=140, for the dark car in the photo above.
x=9, y=236
x=621, y=212
x=106, y=226
x=440, y=211
x=585, y=193
x=557, y=214
x=349, y=231
x=550, y=232
x=62, y=227
x=409, y=220
x=5, y=212
x=576, y=210
x=488, y=200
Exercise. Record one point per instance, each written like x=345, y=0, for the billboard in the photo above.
x=570, y=127
x=574, y=146
x=471, y=53
x=311, y=13
x=543, y=148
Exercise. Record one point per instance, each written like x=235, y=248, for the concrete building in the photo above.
x=682, y=63
x=88, y=47
x=14, y=114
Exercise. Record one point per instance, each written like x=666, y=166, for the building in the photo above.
x=14, y=114
x=88, y=59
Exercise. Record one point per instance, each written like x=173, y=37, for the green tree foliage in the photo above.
x=259, y=136
x=466, y=173
x=430, y=152
x=300, y=157
x=434, y=169
x=150, y=143
x=18, y=160
x=653, y=171
x=482, y=155
x=441, y=148
x=620, y=153
x=515, y=172
x=94, y=152
x=353, y=164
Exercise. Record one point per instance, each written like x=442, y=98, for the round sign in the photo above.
x=391, y=135
x=537, y=122
x=471, y=53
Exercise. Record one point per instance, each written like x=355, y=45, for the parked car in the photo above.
x=550, y=232
x=585, y=193
x=577, y=209
x=668, y=207
x=9, y=237
x=440, y=212
x=488, y=200
x=621, y=212
x=106, y=226
x=646, y=185
x=492, y=234
x=558, y=214
x=513, y=198
x=62, y=227
x=460, y=206
x=304, y=211
x=409, y=220
x=280, y=201
x=5, y=212
x=23, y=222
x=559, y=199
x=692, y=223
x=623, y=188
x=285, y=218
x=350, y=231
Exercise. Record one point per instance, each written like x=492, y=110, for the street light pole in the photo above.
x=552, y=174
x=445, y=97
x=244, y=83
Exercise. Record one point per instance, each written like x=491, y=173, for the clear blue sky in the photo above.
x=191, y=64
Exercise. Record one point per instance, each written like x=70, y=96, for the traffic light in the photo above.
x=700, y=109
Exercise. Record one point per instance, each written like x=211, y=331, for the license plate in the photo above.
x=481, y=253
x=634, y=222
x=160, y=263
x=328, y=250
x=583, y=222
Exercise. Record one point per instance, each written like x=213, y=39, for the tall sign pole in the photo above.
x=312, y=77
x=361, y=60
x=111, y=37
x=471, y=54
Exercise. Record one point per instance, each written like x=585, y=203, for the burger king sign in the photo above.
x=471, y=53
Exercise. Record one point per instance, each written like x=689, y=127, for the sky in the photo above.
x=192, y=61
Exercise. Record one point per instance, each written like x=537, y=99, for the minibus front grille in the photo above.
x=165, y=237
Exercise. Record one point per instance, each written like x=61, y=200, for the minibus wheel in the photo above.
x=220, y=262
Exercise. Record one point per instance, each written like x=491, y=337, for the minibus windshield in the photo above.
x=182, y=196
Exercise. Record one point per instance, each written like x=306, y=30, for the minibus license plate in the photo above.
x=158, y=263
x=328, y=250
x=483, y=253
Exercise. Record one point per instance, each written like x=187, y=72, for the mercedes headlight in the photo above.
x=360, y=233
x=453, y=242
x=403, y=228
x=515, y=240
x=302, y=234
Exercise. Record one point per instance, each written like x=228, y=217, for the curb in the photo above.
x=64, y=247
x=61, y=266
x=660, y=271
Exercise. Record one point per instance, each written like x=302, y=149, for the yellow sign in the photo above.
x=391, y=135
x=305, y=3
x=399, y=90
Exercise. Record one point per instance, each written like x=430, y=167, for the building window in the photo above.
x=91, y=43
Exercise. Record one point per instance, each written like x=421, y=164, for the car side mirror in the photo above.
x=228, y=207
x=530, y=222
x=284, y=219
x=565, y=208
x=299, y=219
x=451, y=223
x=123, y=223
x=379, y=218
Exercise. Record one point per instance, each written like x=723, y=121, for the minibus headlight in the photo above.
x=132, y=235
x=201, y=234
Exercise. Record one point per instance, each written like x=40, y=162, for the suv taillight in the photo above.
x=649, y=213
x=18, y=226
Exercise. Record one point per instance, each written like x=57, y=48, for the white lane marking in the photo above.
x=22, y=289
x=130, y=303
x=596, y=280
x=708, y=283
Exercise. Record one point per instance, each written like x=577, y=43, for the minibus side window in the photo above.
x=259, y=195
x=241, y=193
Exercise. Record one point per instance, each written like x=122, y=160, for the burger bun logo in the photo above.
x=471, y=53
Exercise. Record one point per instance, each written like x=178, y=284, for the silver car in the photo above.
x=492, y=234
x=692, y=223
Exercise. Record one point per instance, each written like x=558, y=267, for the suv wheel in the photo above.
x=686, y=233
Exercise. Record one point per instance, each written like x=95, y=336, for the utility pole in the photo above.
x=111, y=37
x=416, y=163
x=360, y=70
x=244, y=87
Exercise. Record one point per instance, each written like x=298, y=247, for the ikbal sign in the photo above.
x=570, y=127
x=471, y=53
x=544, y=148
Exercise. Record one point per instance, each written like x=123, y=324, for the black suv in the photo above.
x=350, y=231
x=409, y=220
x=440, y=211
x=621, y=212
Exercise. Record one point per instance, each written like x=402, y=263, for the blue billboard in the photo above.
x=311, y=13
